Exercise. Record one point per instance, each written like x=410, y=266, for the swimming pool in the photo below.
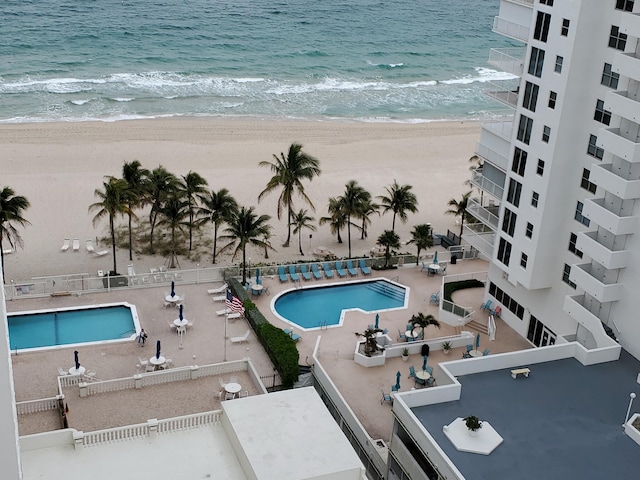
x=72, y=326
x=316, y=307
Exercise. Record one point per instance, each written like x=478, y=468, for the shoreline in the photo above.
x=58, y=165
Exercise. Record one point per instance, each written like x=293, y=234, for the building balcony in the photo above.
x=505, y=92
x=604, y=255
x=487, y=214
x=617, y=222
x=593, y=282
x=576, y=306
x=486, y=185
x=481, y=237
x=491, y=155
x=630, y=24
x=510, y=60
x=627, y=65
x=511, y=29
x=622, y=104
x=504, y=130
x=611, y=180
x=614, y=142
x=526, y=3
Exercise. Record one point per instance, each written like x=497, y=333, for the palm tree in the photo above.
x=351, y=203
x=301, y=220
x=193, y=188
x=368, y=209
x=113, y=201
x=423, y=321
x=400, y=200
x=174, y=214
x=245, y=226
x=135, y=176
x=476, y=165
x=459, y=209
x=12, y=207
x=421, y=237
x=267, y=244
x=288, y=173
x=389, y=239
x=336, y=218
x=217, y=207
x=160, y=187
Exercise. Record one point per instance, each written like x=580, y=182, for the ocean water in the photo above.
x=368, y=60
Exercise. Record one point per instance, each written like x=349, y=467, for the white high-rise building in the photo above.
x=559, y=182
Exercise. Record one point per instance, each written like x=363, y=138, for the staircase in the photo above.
x=477, y=326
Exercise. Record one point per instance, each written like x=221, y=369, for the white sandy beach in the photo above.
x=57, y=166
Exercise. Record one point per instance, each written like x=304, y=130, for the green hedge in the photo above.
x=449, y=288
x=279, y=346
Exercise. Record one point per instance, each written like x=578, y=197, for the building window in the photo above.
x=540, y=169
x=536, y=62
x=609, y=78
x=547, y=2
x=541, y=31
x=564, y=31
x=617, y=40
x=558, y=67
x=523, y=260
x=530, y=96
x=504, y=299
x=546, y=134
x=504, y=251
x=553, y=96
x=601, y=115
x=565, y=276
x=594, y=150
x=626, y=5
x=513, y=195
x=585, y=183
x=509, y=222
x=535, y=198
x=519, y=161
x=579, y=217
x=524, y=129
x=529, y=231
x=573, y=238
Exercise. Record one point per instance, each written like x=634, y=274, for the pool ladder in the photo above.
x=322, y=325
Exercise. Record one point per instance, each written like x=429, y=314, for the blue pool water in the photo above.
x=319, y=306
x=73, y=326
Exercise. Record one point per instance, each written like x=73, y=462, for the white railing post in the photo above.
x=83, y=389
x=153, y=426
x=137, y=380
x=195, y=372
x=78, y=439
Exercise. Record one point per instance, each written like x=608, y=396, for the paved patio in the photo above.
x=35, y=373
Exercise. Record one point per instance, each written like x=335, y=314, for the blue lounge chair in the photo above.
x=485, y=352
x=293, y=274
x=385, y=398
x=316, y=273
x=394, y=388
x=435, y=297
x=352, y=271
x=305, y=273
x=486, y=305
x=282, y=274
x=363, y=266
x=328, y=271
x=340, y=270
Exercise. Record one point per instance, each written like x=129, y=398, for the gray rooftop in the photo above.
x=564, y=421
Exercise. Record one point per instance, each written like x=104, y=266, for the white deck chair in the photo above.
x=102, y=253
x=222, y=289
x=233, y=379
x=168, y=363
x=62, y=372
x=229, y=396
x=218, y=394
x=143, y=362
x=76, y=244
x=222, y=382
x=243, y=338
x=222, y=312
x=243, y=393
x=234, y=316
x=219, y=298
x=65, y=245
x=89, y=246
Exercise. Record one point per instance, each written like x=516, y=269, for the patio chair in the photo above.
x=243, y=338
x=229, y=396
x=143, y=361
x=435, y=298
x=443, y=270
x=469, y=347
x=243, y=393
x=385, y=398
x=218, y=394
x=62, y=372
x=417, y=381
x=496, y=311
x=65, y=245
x=429, y=369
x=363, y=266
x=305, y=272
x=340, y=270
x=233, y=379
x=222, y=382
x=401, y=335
x=350, y=268
x=431, y=382
x=221, y=289
x=328, y=271
x=485, y=352
x=282, y=274
x=317, y=274
x=486, y=305
x=395, y=388
x=292, y=273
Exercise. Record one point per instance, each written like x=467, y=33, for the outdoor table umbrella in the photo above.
x=76, y=360
x=377, y=320
x=398, y=381
x=180, y=315
x=477, y=341
x=158, y=349
x=173, y=285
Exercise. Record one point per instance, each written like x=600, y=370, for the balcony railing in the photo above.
x=614, y=140
x=618, y=221
x=610, y=256
x=511, y=29
x=486, y=185
x=601, y=284
x=502, y=129
x=528, y=3
x=490, y=155
x=481, y=237
x=620, y=182
x=509, y=60
x=486, y=214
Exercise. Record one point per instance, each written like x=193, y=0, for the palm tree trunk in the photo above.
x=461, y=226
x=349, y=233
x=113, y=242
x=2, y=261
x=339, y=237
x=289, y=217
x=215, y=241
x=190, y=230
x=393, y=223
x=152, y=221
x=130, y=239
x=300, y=241
x=244, y=264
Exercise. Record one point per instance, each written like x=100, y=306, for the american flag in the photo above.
x=233, y=303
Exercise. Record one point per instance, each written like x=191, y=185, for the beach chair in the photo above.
x=328, y=271
x=234, y=316
x=65, y=245
x=435, y=298
x=352, y=271
x=76, y=244
x=223, y=312
x=485, y=352
x=317, y=274
x=62, y=372
x=305, y=272
x=221, y=289
x=401, y=335
x=496, y=311
x=386, y=398
x=340, y=270
x=282, y=274
x=486, y=305
x=219, y=298
x=89, y=245
x=363, y=267
x=243, y=338
x=292, y=273
x=102, y=253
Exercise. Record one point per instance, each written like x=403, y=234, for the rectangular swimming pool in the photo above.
x=41, y=329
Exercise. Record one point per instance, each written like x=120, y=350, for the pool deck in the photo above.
x=35, y=373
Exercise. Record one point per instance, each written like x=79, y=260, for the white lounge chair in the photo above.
x=223, y=312
x=222, y=289
x=62, y=372
x=102, y=253
x=219, y=298
x=65, y=245
x=90, y=248
x=243, y=338
x=234, y=316
x=76, y=244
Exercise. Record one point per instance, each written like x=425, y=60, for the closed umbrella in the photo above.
x=180, y=314
x=258, y=281
x=173, y=286
x=158, y=349
x=76, y=360
x=424, y=362
x=477, y=341
x=377, y=320
x=435, y=258
x=398, y=381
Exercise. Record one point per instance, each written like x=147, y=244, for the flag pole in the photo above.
x=226, y=316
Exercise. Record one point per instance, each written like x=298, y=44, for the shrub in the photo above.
x=449, y=288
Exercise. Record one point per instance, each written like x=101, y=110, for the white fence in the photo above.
x=35, y=406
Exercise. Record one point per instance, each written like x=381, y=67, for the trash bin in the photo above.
x=425, y=350
x=454, y=259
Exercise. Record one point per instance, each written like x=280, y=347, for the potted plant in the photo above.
x=370, y=341
x=474, y=424
x=405, y=354
x=446, y=347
